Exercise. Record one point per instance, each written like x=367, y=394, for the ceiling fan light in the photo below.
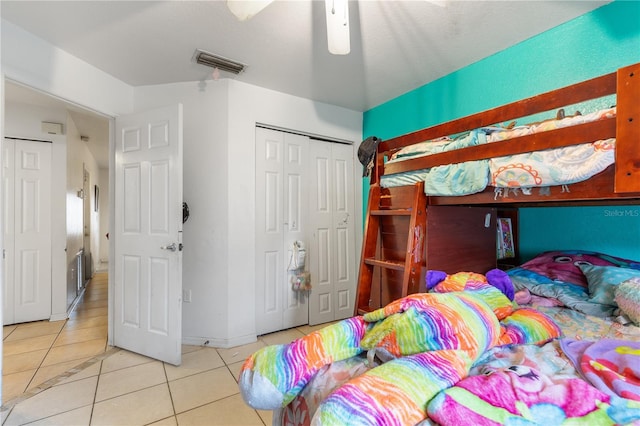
x=337, y=12
x=246, y=9
x=214, y=61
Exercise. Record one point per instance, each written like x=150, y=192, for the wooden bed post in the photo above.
x=627, y=177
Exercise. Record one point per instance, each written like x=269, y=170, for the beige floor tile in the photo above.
x=50, y=372
x=67, y=337
x=228, y=411
x=306, y=329
x=7, y=330
x=35, y=329
x=235, y=369
x=123, y=359
x=5, y=413
x=200, y=389
x=30, y=344
x=126, y=409
x=129, y=380
x=79, y=416
x=239, y=353
x=195, y=362
x=53, y=401
x=190, y=348
x=281, y=337
x=84, y=313
x=15, y=384
x=169, y=421
x=90, y=304
x=266, y=416
x=86, y=323
x=22, y=362
x=92, y=370
x=75, y=351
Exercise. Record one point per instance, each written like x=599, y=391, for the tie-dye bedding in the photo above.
x=432, y=339
x=558, y=166
x=548, y=359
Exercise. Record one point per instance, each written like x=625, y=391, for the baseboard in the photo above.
x=219, y=343
x=58, y=317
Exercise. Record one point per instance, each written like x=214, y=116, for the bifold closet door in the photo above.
x=281, y=219
x=26, y=175
x=332, y=217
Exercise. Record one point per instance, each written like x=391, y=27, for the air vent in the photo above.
x=215, y=61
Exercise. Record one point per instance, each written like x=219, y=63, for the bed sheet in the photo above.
x=548, y=359
x=559, y=166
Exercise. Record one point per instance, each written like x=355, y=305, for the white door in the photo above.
x=148, y=234
x=281, y=219
x=332, y=210
x=26, y=175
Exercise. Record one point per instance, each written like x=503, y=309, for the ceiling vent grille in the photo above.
x=215, y=61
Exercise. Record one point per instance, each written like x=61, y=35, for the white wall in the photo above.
x=79, y=158
x=219, y=185
x=37, y=63
x=219, y=120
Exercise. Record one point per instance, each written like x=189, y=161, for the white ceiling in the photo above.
x=396, y=46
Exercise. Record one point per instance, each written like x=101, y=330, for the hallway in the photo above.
x=36, y=352
x=71, y=376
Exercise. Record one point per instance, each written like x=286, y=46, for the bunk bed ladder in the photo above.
x=413, y=206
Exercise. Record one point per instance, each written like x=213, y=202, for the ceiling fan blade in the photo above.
x=337, y=12
x=246, y=9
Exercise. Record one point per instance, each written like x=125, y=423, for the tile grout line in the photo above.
x=166, y=377
x=52, y=382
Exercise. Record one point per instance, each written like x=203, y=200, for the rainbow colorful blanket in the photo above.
x=432, y=340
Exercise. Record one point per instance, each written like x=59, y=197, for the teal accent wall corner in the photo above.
x=591, y=45
x=614, y=230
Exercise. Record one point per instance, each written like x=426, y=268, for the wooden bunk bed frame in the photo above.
x=397, y=235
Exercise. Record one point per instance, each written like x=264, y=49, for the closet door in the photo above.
x=332, y=255
x=27, y=233
x=281, y=215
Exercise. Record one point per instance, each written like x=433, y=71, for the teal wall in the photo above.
x=591, y=45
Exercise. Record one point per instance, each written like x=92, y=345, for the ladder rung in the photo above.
x=394, y=212
x=389, y=264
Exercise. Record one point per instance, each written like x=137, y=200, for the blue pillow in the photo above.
x=602, y=281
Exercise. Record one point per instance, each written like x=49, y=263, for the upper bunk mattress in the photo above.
x=558, y=166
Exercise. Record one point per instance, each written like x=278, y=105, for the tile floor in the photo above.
x=64, y=373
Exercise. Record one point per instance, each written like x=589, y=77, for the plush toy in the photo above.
x=432, y=339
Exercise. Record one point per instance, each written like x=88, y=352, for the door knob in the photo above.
x=170, y=247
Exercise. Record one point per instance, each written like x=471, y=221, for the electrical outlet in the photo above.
x=186, y=296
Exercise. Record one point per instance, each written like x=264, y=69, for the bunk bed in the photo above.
x=400, y=244
x=411, y=237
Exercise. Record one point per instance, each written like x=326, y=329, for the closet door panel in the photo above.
x=332, y=206
x=269, y=233
x=296, y=310
x=281, y=203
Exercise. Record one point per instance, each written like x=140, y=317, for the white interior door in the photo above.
x=281, y=219
x=148, y=234
x=26, y=189
x=332, y=210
